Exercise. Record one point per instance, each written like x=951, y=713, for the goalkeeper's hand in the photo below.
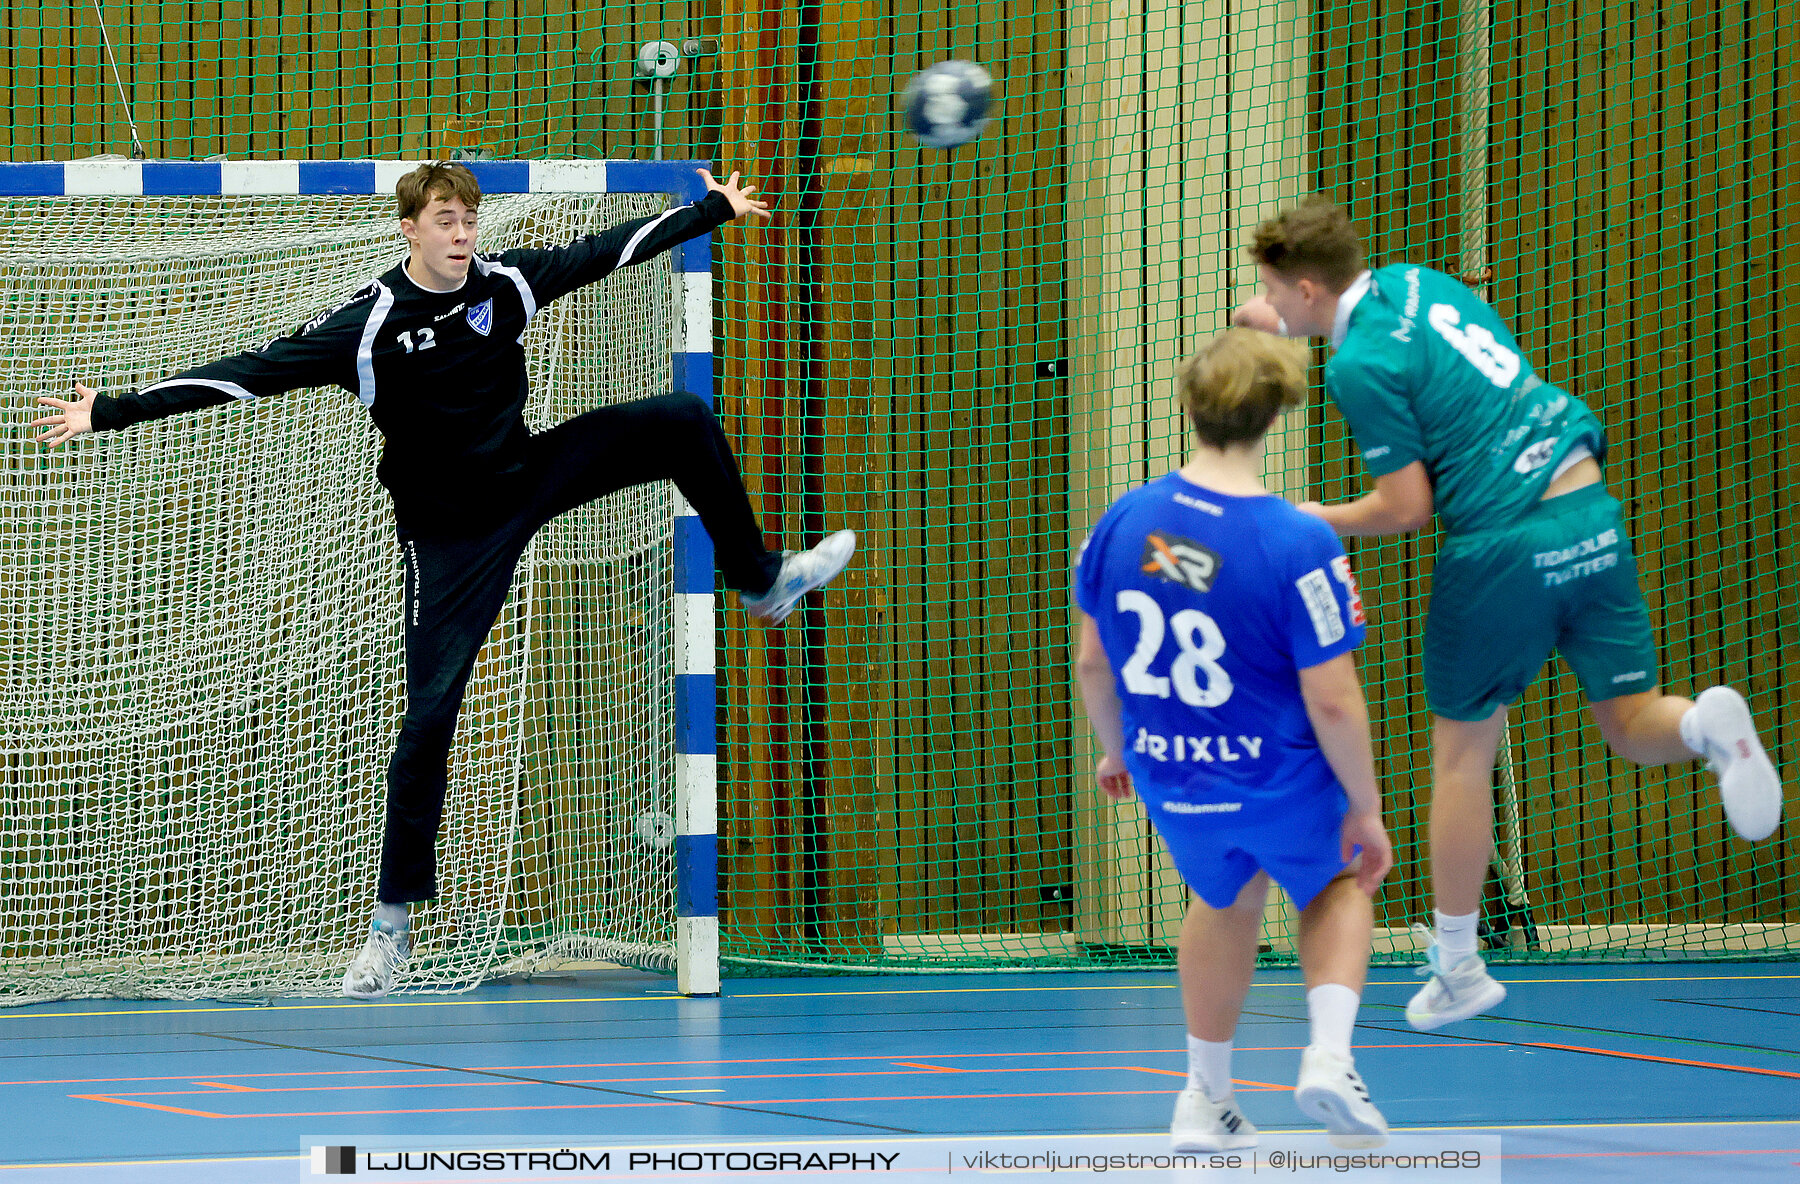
x=71, y=418
x=741, y=201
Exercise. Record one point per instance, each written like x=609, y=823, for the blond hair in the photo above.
x=439, y=179
x=1237, y=384
x=1313, y=239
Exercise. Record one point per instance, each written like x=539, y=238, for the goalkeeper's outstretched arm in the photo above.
x=323, y=352
x=553, y=272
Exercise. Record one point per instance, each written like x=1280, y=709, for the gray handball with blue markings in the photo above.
x=947, y=104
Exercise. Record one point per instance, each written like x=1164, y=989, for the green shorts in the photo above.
x=1564, y=579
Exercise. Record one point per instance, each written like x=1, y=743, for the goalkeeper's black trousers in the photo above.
x=457, y=582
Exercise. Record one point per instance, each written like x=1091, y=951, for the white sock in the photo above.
x=1209, y=1067
x=392, y=915
x=1332, y=1008
x=1690, y=732
x=1455, y=937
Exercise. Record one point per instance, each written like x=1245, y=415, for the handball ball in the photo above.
x=947, y=104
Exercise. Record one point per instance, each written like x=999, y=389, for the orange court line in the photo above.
x=1108, y=1093
x=670, y=1079
x=1183, y=1073
x=1642, y=1056
x=148, y=1106
x=236, y=1089
x=910, y=1065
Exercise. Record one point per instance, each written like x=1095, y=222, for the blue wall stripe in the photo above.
x=694, y=375
x=695, y=254
x=696, y=707
x=504, y=176
x=175, y=178
x=31, y=179
x=696, y=875
x=657, y=176
x=693, y=560
x=337, y=176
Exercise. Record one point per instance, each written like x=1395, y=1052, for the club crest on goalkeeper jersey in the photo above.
x=1424, y=370
x=1209, y=606
x=443, y=374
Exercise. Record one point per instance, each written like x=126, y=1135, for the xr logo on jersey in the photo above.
x=1180, y=561
x=481, y=317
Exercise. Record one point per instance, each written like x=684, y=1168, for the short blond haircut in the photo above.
x=440, y=179
x=1237, y=384
x=1313, y=239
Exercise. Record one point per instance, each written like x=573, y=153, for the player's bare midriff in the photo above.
x=1585, y=472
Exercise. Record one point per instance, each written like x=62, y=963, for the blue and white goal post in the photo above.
x=691, y=370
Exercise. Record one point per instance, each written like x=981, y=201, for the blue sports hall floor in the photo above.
x=1656, y=1073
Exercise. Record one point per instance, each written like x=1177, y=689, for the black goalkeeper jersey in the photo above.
x=442, y=373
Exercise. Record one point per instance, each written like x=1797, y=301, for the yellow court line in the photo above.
x=989, y=1139
x=1171, y=986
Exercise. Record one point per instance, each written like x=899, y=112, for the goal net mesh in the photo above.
x=200, y=627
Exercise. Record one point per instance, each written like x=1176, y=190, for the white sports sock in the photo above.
x=1455, y=937
x=392, y=915
x=1209, y=1067
x=1690, y=732
x=1332, y=1008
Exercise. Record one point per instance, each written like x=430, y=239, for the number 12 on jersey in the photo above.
x=1199, y=646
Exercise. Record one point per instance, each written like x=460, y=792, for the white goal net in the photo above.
x=200, y=635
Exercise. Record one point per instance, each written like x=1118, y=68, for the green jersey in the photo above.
x=1423, y=370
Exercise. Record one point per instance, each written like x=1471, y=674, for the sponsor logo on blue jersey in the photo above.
x=481, y=317
x=1180, y=560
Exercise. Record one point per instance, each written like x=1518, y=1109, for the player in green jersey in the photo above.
x=1450, y=418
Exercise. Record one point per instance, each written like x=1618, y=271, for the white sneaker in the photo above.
x=371, y=973
x=1330, y=1091
x=1202, y=1124
x=801, y=572
x=1454, y=992
x=1748, y=784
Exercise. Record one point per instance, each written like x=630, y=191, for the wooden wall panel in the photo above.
x=906, y=763
x=1632, y=151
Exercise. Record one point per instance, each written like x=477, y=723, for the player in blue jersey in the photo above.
x=1448, y=416
x=1218, y=625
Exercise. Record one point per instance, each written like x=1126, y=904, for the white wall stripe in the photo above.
x=696, y=783
x=85, y=177
x=698, y=973
x=694, y=334
x=389, y=172
x=568, y=176
x=246, y=177
x=694, y=634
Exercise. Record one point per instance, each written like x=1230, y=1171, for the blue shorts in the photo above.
x=1217, y=855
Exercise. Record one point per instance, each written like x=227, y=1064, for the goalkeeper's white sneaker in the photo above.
x=1453, y=992
x=371, y=972
x=801, y=572
x=1202, y=1124
x=1330, y=1091
x=1748, y=784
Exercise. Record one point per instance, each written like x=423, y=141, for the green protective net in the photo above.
x=966, y=355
